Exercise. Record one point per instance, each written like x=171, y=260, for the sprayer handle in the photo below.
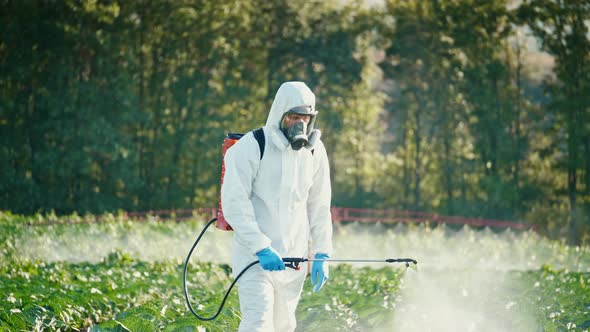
x=293, y=262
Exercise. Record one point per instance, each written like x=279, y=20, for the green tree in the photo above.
x=562, y=28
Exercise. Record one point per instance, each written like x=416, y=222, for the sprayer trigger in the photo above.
x=293, y=265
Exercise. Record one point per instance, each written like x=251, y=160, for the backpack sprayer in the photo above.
x=290, y=262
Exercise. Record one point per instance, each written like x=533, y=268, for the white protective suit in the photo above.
x=279, y=201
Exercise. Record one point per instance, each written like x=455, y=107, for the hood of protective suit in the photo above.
x=289, y=95
x=292, y=95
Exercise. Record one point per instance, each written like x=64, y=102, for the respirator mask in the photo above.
x=297, y=130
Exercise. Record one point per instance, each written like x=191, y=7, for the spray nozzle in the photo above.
x=401, y=260
x=409, y=262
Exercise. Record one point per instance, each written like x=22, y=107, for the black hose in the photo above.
x=291, y=262
x=184, y=278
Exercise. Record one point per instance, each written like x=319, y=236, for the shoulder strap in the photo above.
x=259, y=135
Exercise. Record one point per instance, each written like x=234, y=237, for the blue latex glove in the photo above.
x=319, y=272
x=270, y=260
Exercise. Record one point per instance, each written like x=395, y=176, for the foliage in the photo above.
x=131, y=294
x=569, y=290
x=424, y=105
x=121, y=292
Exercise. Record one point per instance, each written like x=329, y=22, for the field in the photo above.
x=119, y=275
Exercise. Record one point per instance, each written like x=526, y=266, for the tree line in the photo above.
x=428, y=105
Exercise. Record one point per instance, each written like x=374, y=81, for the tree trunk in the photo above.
x=572, y=178
x=587, y=165
x=140, y=134
x=406, y=169
x=516, y=150
x=417, y=159
x=448, y=173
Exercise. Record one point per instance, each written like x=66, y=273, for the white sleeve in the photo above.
x=318, y=204
x=241, y=165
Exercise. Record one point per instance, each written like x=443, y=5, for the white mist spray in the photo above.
x=464, y=281
x=147, y=241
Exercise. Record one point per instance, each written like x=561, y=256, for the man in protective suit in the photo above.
x=275, y=205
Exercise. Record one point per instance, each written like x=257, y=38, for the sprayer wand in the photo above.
x=290, y=262
x=293, y=262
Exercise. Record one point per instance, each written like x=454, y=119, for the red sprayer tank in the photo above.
x=229, y=140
